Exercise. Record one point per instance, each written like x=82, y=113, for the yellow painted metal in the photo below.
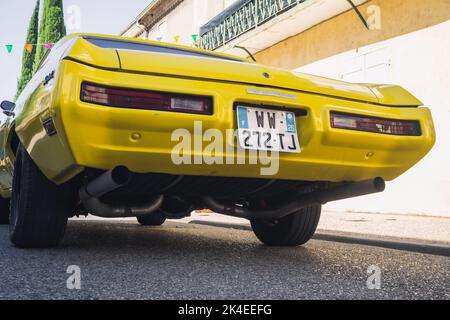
x=86, y=52
x=7, y=159
x=394, y=95
x=102, y=137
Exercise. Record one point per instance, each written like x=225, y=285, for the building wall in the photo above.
x=186, y=20
x=419, y=61
x=346, y=31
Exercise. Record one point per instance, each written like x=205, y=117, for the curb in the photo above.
x=410, y=245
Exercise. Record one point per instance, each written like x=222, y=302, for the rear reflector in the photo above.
x=140, y=99
x=374, y=124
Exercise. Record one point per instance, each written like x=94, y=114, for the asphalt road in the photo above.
x=121, y=260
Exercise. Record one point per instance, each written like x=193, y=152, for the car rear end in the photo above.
x=125, y=111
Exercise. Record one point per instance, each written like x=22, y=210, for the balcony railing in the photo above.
x=241, y=17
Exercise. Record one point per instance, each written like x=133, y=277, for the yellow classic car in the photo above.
x=119, y=127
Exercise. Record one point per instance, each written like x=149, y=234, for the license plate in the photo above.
x=270, y=130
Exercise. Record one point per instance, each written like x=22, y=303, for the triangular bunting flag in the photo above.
x=29, y=47
x=48, y=46
x=195, y=37
x=176, y=38
x=9, y=47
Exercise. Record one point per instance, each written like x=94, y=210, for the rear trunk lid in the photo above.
x=212, y=69
x=135, y=55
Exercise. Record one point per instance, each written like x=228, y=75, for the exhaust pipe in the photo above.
x=350, y=190
x=340, y=192
x=109, y=181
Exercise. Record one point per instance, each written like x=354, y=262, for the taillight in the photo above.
x=374, y=124
x=141, y=99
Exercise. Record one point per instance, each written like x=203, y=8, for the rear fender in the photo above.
x=394, y=96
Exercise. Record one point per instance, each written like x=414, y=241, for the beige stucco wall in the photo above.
x=346, y=31
x=417, y=61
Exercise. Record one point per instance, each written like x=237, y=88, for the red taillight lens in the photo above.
x=374, y=124
x=140, y=99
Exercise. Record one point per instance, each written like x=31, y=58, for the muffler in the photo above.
x=111, y=180
x=339, y=192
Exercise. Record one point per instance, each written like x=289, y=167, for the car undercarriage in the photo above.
x=121, y=193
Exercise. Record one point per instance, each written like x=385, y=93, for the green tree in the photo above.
x=28, y=57
x=51, y=28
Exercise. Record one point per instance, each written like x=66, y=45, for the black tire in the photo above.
x=4, y=211
x=154, y=219
x=293, y=230
x=39, y=208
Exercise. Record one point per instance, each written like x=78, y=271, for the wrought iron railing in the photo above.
x=243, y=16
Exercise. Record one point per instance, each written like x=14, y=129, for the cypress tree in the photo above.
x=52, y=26
x=28, y=57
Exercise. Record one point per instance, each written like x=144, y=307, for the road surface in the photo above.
x=122, y=260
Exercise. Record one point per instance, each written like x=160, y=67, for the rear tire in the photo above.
x=293, y=230
x=39, y=208
x=4, y=211
x=154, y=219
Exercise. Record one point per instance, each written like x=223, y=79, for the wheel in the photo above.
x=39, y=208
x=154, y=219
x=4, y=211
x=293, y=230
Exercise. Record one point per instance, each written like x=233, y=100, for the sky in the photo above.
x=96, y=16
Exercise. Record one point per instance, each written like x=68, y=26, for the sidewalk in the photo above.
x=435, y=230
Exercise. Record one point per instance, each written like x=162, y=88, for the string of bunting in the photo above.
x=177, y=38
x=29, y=46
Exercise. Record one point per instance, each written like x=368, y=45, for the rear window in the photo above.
x=130, y=45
